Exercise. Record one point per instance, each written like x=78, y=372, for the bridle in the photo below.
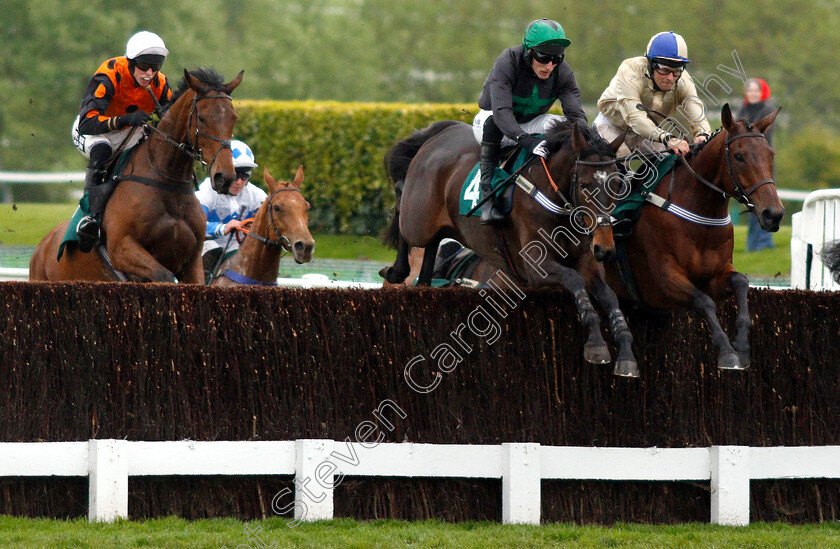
x=741, y=194
x=190, y=147
x=601, y=218
x=282, y=242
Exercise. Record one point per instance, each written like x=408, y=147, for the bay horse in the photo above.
x=684, y=259
x=281, y=224
x=428, y=170
x=153, y=224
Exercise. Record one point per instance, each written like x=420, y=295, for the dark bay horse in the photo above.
x=541, y=243
x=684, y=259
x=154, y=224
x=281, y=224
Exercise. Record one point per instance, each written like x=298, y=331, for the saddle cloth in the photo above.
x=471, y=190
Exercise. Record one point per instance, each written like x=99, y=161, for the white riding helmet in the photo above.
x=242, y=155
x=145, y=43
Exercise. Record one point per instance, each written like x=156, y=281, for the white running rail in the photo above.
x=320, y=465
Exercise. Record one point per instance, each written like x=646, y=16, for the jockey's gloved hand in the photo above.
x=534, y=144
x=136, y=118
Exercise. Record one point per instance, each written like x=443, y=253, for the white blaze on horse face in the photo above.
x=601, y=176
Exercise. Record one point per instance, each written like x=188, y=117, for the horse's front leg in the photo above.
x=194, y=273
x=595, y=350
x=679, y=287
x=625, y=364
x=128, y=256
x=738, y=284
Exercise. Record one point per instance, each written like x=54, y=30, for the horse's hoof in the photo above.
x=729, y=361
x=596, y=354
x=390, y=275
x=743, y=356
x=626, y=368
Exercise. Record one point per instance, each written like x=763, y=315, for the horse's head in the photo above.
x=211, y=124
x=587, y=162
x=749, y=159
x=288, y=216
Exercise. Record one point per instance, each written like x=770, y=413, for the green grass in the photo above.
x=177, y=533
x=26, y=224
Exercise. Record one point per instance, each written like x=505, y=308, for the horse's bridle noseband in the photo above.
x=601, y=218
x=282, y=241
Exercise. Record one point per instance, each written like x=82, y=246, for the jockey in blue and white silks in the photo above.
x=225, y=211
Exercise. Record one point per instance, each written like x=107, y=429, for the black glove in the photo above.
x=136, y=118
x=529, y=141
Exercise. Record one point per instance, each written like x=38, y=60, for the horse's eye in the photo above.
x=276, y=207
x=739, y=157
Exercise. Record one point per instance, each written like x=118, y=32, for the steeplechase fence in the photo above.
x=87, y=369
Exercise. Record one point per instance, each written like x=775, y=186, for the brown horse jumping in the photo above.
x=682, y=257
x=281, y=224
x=541, y=243
x=154, y=224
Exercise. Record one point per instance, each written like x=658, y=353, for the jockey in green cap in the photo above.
x=524, y=83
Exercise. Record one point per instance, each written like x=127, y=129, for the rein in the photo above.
x=741, y=194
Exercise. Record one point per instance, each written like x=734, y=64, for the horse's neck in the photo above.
x=256, y=260
x=175, y=125
x=693, y=195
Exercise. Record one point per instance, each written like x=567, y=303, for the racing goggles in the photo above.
x=546, y=58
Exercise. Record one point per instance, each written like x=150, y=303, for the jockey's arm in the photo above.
x=693, y=109
x=570, y=96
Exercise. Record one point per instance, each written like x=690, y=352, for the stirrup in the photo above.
x=88, y=232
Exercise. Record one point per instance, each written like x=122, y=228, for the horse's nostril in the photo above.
x=299, y=247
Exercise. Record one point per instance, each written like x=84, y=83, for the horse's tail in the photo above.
x=396, y=166
x=831, y=258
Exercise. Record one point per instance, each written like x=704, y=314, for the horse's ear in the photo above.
x=197, y=85
x=767, y=121
x=230, y=86
x=726, y=118
x=578, y=140
x=298, y=178
x=272, y=184
x=618, y=141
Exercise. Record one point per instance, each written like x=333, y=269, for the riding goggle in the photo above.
x=664, y=70
x=244, y=175
x=146, y=66
x=545, y=58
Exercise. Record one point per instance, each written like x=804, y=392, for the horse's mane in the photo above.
x=697, y=147
x=560, y=135
x=208, y=75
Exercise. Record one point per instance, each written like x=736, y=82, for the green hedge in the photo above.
x=341, y=146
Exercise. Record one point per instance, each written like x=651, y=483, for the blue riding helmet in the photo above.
x=668, y=47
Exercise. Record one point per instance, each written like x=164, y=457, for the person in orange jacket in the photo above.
x=120, y=97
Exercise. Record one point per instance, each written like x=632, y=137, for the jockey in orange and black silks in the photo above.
x=118, y=99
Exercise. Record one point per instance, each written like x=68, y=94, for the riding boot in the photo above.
x=488, y=161
x=89, y=225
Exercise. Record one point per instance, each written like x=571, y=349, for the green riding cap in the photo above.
x=546, y=36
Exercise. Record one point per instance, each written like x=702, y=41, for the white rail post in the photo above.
x=521, y=477
x=108, y=480
x=310, y=456
x=730, y=485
